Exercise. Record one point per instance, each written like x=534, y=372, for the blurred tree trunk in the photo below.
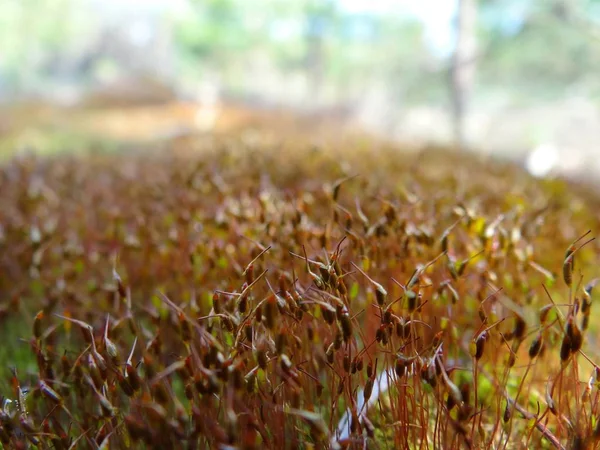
x=314, y=64
x=318, y=18
x=463, y=67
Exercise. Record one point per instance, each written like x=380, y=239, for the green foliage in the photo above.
x=329, y=44
x=537, y=49
x=33, y=33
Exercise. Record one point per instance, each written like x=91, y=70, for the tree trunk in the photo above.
x=463, y=68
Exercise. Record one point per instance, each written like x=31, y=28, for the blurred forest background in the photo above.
x=518, y=78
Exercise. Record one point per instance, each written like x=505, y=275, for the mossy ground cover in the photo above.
x=250, y=293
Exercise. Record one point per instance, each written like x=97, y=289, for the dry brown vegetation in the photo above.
x=249, y=294
x=102, y=122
